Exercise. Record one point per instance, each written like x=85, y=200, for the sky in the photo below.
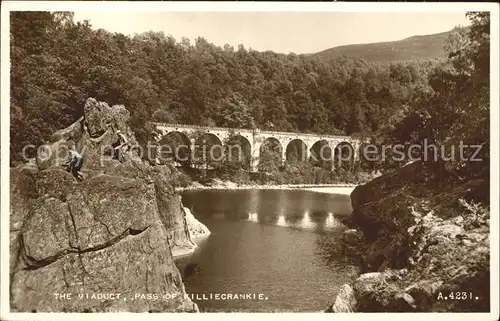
x=298, y=32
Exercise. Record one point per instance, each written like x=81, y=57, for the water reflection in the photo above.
x=281, y=221
x=253, y=217
x=285, y=208
x=330, y=221
x=258, y=235
x=306, y=221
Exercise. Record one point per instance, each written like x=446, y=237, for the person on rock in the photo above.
x=75, y=163
x=123, y=146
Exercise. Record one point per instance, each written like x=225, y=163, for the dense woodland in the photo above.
x=56, y=64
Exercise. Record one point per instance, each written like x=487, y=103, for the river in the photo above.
x=272, y=246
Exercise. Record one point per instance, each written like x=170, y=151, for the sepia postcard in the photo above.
x=243, y=159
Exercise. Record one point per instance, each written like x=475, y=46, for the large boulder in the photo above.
x=345, y=301
x=54, y=183
x=22, y=189
x=99, y=116
x=114, y=234
x=178, y=230
x=424, y=237
x=94, y=135
x=105, y=237
x=73, y=132
x=52, y=155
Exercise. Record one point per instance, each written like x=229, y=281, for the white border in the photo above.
x=6, y=7
x=221, y=6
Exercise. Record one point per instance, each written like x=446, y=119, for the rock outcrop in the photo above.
x=425, y=240
x=196, y=228
x=109, y=240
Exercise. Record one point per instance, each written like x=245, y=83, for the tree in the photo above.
x=270, y=156
x=457, y=109
x=233, y=112
x=175, y=147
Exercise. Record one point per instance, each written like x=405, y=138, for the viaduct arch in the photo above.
x=257, y=140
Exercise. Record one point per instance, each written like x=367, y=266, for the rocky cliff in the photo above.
x=423, y=243
x=108, y=240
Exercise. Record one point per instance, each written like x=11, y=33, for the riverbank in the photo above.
x=344, y=189
x=418, y=238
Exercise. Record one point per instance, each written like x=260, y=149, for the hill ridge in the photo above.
x=429, y=46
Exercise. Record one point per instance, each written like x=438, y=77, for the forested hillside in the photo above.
x=57, y=64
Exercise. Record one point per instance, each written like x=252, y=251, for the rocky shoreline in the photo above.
x=196, y=229
x=228, y=185
x=418, y=241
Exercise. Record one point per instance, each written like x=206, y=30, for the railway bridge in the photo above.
x=256, y=140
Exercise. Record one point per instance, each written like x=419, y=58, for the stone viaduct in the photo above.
x=256, y=138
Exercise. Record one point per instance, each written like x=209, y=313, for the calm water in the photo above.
x=270, y=242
